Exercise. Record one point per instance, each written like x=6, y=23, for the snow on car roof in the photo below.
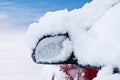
x=93, y=30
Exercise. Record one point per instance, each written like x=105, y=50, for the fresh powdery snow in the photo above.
x=103, y=46
x=107, y=74
x=49, y=71
x=64, y=21
x=94, y=35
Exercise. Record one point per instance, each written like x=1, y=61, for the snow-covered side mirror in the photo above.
x=54, y=49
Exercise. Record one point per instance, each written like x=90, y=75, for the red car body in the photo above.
x=77, y=73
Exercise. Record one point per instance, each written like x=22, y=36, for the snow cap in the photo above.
x=93, y=31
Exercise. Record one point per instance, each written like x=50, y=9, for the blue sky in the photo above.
x=20, y=13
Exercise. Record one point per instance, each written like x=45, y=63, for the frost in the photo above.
x=51, y=49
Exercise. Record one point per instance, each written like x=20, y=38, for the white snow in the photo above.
x=49, y=71
x=101, y=42
x=107, y=74
x=63, y=21
x=50, y=24
x=15, y=57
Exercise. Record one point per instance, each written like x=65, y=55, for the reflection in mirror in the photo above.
x=52, y=49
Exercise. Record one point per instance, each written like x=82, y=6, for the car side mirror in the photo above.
x=55, y=49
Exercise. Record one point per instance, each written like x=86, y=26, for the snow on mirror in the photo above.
x=52, y=50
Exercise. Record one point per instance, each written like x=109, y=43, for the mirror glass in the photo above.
x=52, y=49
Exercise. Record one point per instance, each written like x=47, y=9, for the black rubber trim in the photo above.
x=70, y=60
x=116, y=70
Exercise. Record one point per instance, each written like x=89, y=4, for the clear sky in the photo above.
x=20, y=13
